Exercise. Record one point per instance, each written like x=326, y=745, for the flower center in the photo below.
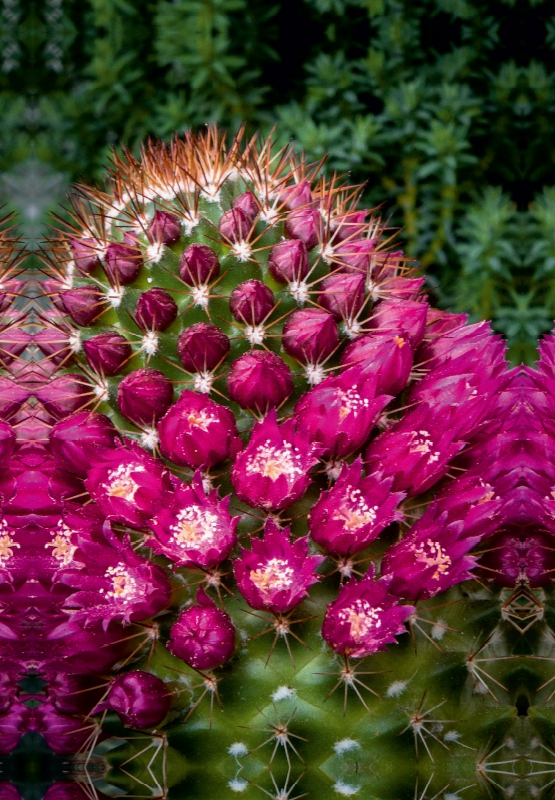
x=356, y=515
x=435, y=557
x=275, y=576
x=200, y=419
x=351, y=402
x=362, y=619
x=421, y=444
x=6, y=544
x=124, y=586
x=272, y=462
x=62, y=549
x=121, y=484
x=196, y=528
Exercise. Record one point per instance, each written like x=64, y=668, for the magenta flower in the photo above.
x=113, y=583
x=416, y=451
x=155, y=310
x=140, y=700
x=128, y=484
x=77, y=441
x=388, y=356
x=197, y=432
x=272, y=471
x=275, y=574
x=13, y=724
x=259, y=380
x=7, y=442
x=202, y=346
x=203, y=636
x=193, y=528
x=144, y=396
x=350, y=515
x=430, y=558
x=364, y=618
x=340, y=412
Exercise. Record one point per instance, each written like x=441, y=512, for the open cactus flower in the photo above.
x=230, y=409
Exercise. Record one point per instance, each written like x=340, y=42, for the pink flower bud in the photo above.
x=364, y=618
x=247, y=203
x=164, y=228
x=348, y=226
x=405, y=318
x=76, y=442
x=140, y=700
x=235, y=225
x=273, y=470
x=128, y=484
x=202, y=346
x=340, y=412
x=310, y=335
x=389, y=357
x=144, y=396
x=83, y=304
x=203, y=636
x=342, y=294
x=306, y=225
x=350, y=515
x=193, y=528
x=251, y=302
x=197, y=432
x=64, y=395
x=12, y=397
x=288, y=261
x=85, y=255
x=355, y=255
x=123, y=263
x=155, y=310
x=275, y=574
x=9, y=792
x=198, y=265
x=259, y=380
x=296, y=196
x=107, y=352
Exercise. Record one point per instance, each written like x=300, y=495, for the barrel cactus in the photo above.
x=295, y=542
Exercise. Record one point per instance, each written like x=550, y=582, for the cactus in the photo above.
x=287, y=540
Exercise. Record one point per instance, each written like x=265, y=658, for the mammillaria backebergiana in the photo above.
x=265, y=509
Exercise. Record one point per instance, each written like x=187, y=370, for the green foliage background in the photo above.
x=445, y=107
